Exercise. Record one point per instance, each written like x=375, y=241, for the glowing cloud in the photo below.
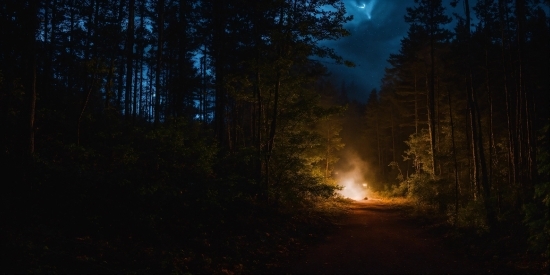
x=353, y=190
x=366, y=8
x=352, y=179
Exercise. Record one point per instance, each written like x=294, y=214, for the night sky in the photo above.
x=376, y=32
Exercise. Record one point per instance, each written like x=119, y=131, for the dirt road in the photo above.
x=376, y=238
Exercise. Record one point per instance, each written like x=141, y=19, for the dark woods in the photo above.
x=200, y=136
x=471, y=105
x=177, y=133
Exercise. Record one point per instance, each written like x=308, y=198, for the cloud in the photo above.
x=376, y=31
x=368, y=9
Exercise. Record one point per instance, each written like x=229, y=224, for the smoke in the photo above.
x=351, y=176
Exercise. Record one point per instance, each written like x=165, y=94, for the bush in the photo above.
x=435, y=192
x=537, y=213
x=472, y=215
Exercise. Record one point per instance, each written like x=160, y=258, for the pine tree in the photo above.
x=430, y=16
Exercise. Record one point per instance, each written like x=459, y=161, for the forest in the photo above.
x=202, y=136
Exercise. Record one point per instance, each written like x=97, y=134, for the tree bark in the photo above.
x=32, y=108
x=31, y=25
x=379, y=149
x=455, y=162
x=109, y=84
x=328, y=151
x=85, y=104
x=477, y=136
x=129, y=58
x=218, y=41
x=272, y=128
x=160, y=48
x=431, y=93
x=415, y=106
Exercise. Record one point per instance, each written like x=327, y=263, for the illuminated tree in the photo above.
x=282, y=35
x=429, y=15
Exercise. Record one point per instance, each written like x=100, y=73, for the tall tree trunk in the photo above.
x=71, y=44
x=150, y=106
x=477, y=136
x=182, y=96
x=135, y=92
x=469, y=142
x=473, y=143
x=204, y=88
x=50, y=12
x=379, y=149
x=141, y=104
x=140, y=56
x=416, y=118
x=524, y=129
x=129, y=58
x=160, y=48
x=394, y=159
x=505, y=57
x=471, y=108
x=85, y=104
x=272, y=128
x=258, y=120
x=328, y=151
x=431, y=94
x=493, y=158
x=455, y=162
x=109, y=84
x=91, y=25
x=31, y=25
x=218, y=41
x=32, y=108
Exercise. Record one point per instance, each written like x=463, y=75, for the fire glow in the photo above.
x=353, y=190
x=351, y=177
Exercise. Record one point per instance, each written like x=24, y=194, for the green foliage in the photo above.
x=153, y=183
x=537, y=213
x=176, y=195
x=483, y=127
x=419, y=151
x=471, y=215
x=299, y=163
x=436, y=192
x=400, y=190
x=395, y=166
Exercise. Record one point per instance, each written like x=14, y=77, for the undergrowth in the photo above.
x=504, y=249
x=151, y=200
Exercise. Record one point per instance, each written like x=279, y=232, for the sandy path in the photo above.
x=375, y=238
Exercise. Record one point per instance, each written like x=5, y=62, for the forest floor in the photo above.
x=373, y=236
x=380, y=237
